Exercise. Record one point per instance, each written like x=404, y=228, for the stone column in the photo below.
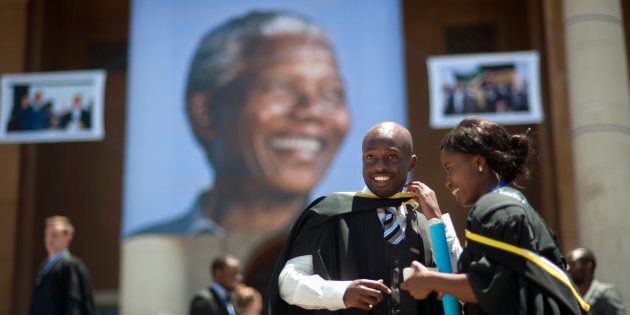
x=600, y=121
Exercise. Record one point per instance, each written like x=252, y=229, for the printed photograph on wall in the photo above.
x=503, y=87
x=52, y=106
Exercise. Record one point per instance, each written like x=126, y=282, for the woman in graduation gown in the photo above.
x=511, y=263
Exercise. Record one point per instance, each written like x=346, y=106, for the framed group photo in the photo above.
x=52, y=106
x=503, y=87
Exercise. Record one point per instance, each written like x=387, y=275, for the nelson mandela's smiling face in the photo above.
x=290, y=117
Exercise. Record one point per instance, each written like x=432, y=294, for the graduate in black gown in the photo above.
x=342, y=240
x=511, y=263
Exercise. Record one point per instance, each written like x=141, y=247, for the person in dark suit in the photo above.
x=460, y=101
x=63, y=284
x=77, y=118
x=39, y=113
x=217, y=299
x=604, y=298
x=18, y=114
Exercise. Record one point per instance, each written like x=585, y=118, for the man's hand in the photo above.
x=365, y=294
x=416, y=283
x=426, y=199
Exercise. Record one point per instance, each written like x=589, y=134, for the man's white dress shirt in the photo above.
x=300, y=286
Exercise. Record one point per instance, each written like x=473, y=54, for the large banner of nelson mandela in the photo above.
x=240, y=114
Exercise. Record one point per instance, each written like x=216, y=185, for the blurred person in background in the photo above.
x=63, y=284
x=77, y=117
x=39, y=113
x=604, y=298
x=217, y=299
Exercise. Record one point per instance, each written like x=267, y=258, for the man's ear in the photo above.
x=412, y=162
x=198, y=107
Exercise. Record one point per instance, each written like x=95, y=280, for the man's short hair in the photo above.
x=67, y=226
x=220, y=54
x=220, y=263
x=392, y=129
x=586, y=255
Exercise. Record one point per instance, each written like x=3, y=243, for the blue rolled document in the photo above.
x=443, y=261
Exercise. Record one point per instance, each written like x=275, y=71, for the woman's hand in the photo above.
x=426, y=199
x=416, y=285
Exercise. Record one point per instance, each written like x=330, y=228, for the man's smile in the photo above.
x=296, y=143
x=381, y=180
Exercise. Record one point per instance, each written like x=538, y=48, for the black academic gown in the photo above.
x=504, y=283
x=344, y=236
x=65, y=289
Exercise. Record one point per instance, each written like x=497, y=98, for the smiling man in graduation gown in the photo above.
x=346, y=252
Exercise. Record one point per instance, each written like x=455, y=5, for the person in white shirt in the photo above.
x=348, y=250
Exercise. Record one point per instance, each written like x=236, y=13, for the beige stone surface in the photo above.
x=600, y=117
x=160, y=274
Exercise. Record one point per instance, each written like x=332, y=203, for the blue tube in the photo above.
x=443, y=261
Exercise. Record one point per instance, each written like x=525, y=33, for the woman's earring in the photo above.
x=480, y=169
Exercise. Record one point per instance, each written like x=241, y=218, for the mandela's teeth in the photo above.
x=297, y=144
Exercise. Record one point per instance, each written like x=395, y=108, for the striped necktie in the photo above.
x=391, y=229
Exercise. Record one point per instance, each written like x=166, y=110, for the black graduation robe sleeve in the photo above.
x=298, y=244
x=492, y=282
x=506, y=288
